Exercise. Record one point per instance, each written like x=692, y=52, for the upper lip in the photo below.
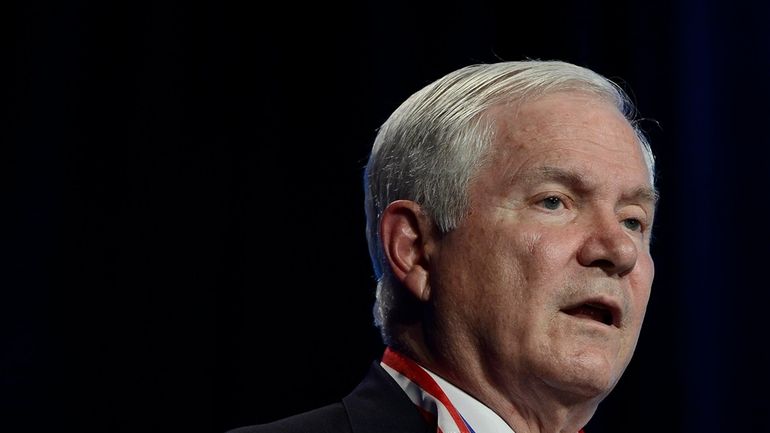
x=603, y=302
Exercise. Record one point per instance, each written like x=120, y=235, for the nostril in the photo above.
x=602, y=263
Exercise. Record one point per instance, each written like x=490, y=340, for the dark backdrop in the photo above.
x=183, y=243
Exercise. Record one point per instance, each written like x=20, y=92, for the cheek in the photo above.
x=641, y=283
x=493, y=275
x=534, y=265
x=548, y=254
x=477, y=270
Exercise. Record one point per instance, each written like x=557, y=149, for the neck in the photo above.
x=526, y=403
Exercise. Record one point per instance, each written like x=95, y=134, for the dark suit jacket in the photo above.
x=377, y=405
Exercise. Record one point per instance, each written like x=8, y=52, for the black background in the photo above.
x=184, y=245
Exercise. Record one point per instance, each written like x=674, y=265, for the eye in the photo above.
x=552, y=203
x=633, y=224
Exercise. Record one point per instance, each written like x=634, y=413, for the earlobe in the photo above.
x=405, y=231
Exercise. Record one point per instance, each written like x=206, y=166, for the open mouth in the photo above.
x=596, y=311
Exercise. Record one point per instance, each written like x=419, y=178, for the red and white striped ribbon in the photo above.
x=432, y=402
x=426, y=394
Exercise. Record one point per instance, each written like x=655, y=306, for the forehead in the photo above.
x=570, y=129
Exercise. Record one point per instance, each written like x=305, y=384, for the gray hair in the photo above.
x=431, y=146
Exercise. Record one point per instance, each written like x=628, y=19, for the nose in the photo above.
x=609, y=247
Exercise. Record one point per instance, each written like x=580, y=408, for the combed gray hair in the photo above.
x=431, y=146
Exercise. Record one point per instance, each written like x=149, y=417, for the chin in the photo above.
x=585, y=377
x=592, y=387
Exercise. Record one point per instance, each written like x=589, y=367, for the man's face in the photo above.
x=545, y=283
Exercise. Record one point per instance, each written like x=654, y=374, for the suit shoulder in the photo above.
x=328, y=419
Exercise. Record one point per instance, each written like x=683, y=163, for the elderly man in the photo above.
x=509, y=211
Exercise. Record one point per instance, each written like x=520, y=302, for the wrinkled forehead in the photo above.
x=565, y=108
x=561, y=119
x=561, y=127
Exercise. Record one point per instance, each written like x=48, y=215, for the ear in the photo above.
x=407, y=233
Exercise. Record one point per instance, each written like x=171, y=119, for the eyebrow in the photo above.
x=645, y=193
x=579, y=182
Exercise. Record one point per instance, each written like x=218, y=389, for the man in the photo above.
x=509, y=211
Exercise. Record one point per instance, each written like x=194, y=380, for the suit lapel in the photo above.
x=379, y=405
